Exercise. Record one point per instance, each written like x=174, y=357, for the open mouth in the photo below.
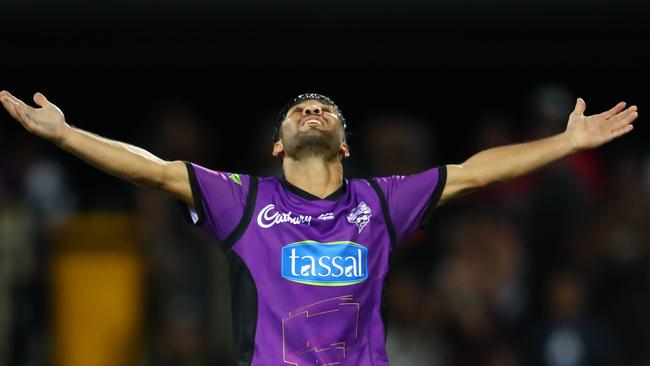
x=313, y=121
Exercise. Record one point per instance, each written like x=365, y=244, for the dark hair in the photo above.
x=307, y=96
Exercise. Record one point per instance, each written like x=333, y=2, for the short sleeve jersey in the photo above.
x=308, y=274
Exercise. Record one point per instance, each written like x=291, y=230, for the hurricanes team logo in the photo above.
x=360, y=216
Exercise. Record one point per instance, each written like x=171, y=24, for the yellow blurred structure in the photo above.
x=96, y=278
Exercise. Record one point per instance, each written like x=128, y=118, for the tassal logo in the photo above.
x=325, y=264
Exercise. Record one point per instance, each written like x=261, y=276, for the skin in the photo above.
x=318, y=169
x=505, y=163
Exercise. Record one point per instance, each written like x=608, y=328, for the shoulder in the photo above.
x=360, y=183
x=268, y=180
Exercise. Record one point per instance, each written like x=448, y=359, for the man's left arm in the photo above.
x=504, y=163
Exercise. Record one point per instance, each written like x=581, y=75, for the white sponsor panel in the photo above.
x=325, y=264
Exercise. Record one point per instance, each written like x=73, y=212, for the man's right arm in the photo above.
x=122, y=160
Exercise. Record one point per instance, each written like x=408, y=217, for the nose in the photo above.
x=313, y=109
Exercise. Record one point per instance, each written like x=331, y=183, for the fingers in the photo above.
x=580, y=107
x=22, y=116
x=621, y=131
x=12, y=98
x=16, y=108
x=610, y=113
x=624, y=118
x=10, y=106
x=41, y=100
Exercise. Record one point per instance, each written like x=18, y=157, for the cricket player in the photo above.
x=309, y=251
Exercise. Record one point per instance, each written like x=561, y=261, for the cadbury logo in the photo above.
x=269, y=216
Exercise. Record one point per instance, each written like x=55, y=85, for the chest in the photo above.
x=318, y=243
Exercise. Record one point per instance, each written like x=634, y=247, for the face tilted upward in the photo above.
x=311, y=128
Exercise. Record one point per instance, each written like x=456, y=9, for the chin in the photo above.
x=313, y=130
x=316, y=143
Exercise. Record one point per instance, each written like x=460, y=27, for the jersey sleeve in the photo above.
x=412, y=198
x=219, y=199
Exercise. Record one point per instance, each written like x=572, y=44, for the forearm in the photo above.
x=508, y=162
x=119, y=159
x=503, y=163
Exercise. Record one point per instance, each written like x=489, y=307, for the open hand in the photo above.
x=47, y=122
x=591, y=131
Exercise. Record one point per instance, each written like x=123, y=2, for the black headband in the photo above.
x=307, y=96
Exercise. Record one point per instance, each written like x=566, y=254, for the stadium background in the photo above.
x=553, y=269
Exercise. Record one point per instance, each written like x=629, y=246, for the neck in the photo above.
x=314, y=175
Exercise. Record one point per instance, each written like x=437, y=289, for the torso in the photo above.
x=317, y=269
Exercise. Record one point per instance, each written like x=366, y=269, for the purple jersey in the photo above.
x=307, y=273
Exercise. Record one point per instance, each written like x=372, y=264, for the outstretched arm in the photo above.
x=507, y=162
x=122, y=160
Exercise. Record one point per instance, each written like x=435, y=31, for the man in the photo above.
x=309, y=252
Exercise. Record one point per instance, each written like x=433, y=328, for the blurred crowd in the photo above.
x=552, y=269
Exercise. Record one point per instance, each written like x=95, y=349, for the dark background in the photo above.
x=203, y=81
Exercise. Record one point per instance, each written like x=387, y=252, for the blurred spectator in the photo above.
x=493, y=129
x=394, y=144
x=188, y=305
x=411, y=337
x=481, y=284
x=614, y=248
x=17, y=262
x=263, y=162
x=35, y=199
x=563, y=194
x=548, y=108
x=181, y=133
x=569, y=336
x=47, y=187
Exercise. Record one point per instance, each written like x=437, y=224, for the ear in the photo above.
x=345, y=150
x=278, y=148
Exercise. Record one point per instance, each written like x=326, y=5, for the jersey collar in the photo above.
x=308, y=196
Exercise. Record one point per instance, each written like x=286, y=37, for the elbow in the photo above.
x=165, y=177
x=471, y=178
x=156, y=176
x=147, y=181
x=474, y=184
x=174, y=179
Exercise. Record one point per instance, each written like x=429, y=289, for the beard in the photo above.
x=313, y=143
